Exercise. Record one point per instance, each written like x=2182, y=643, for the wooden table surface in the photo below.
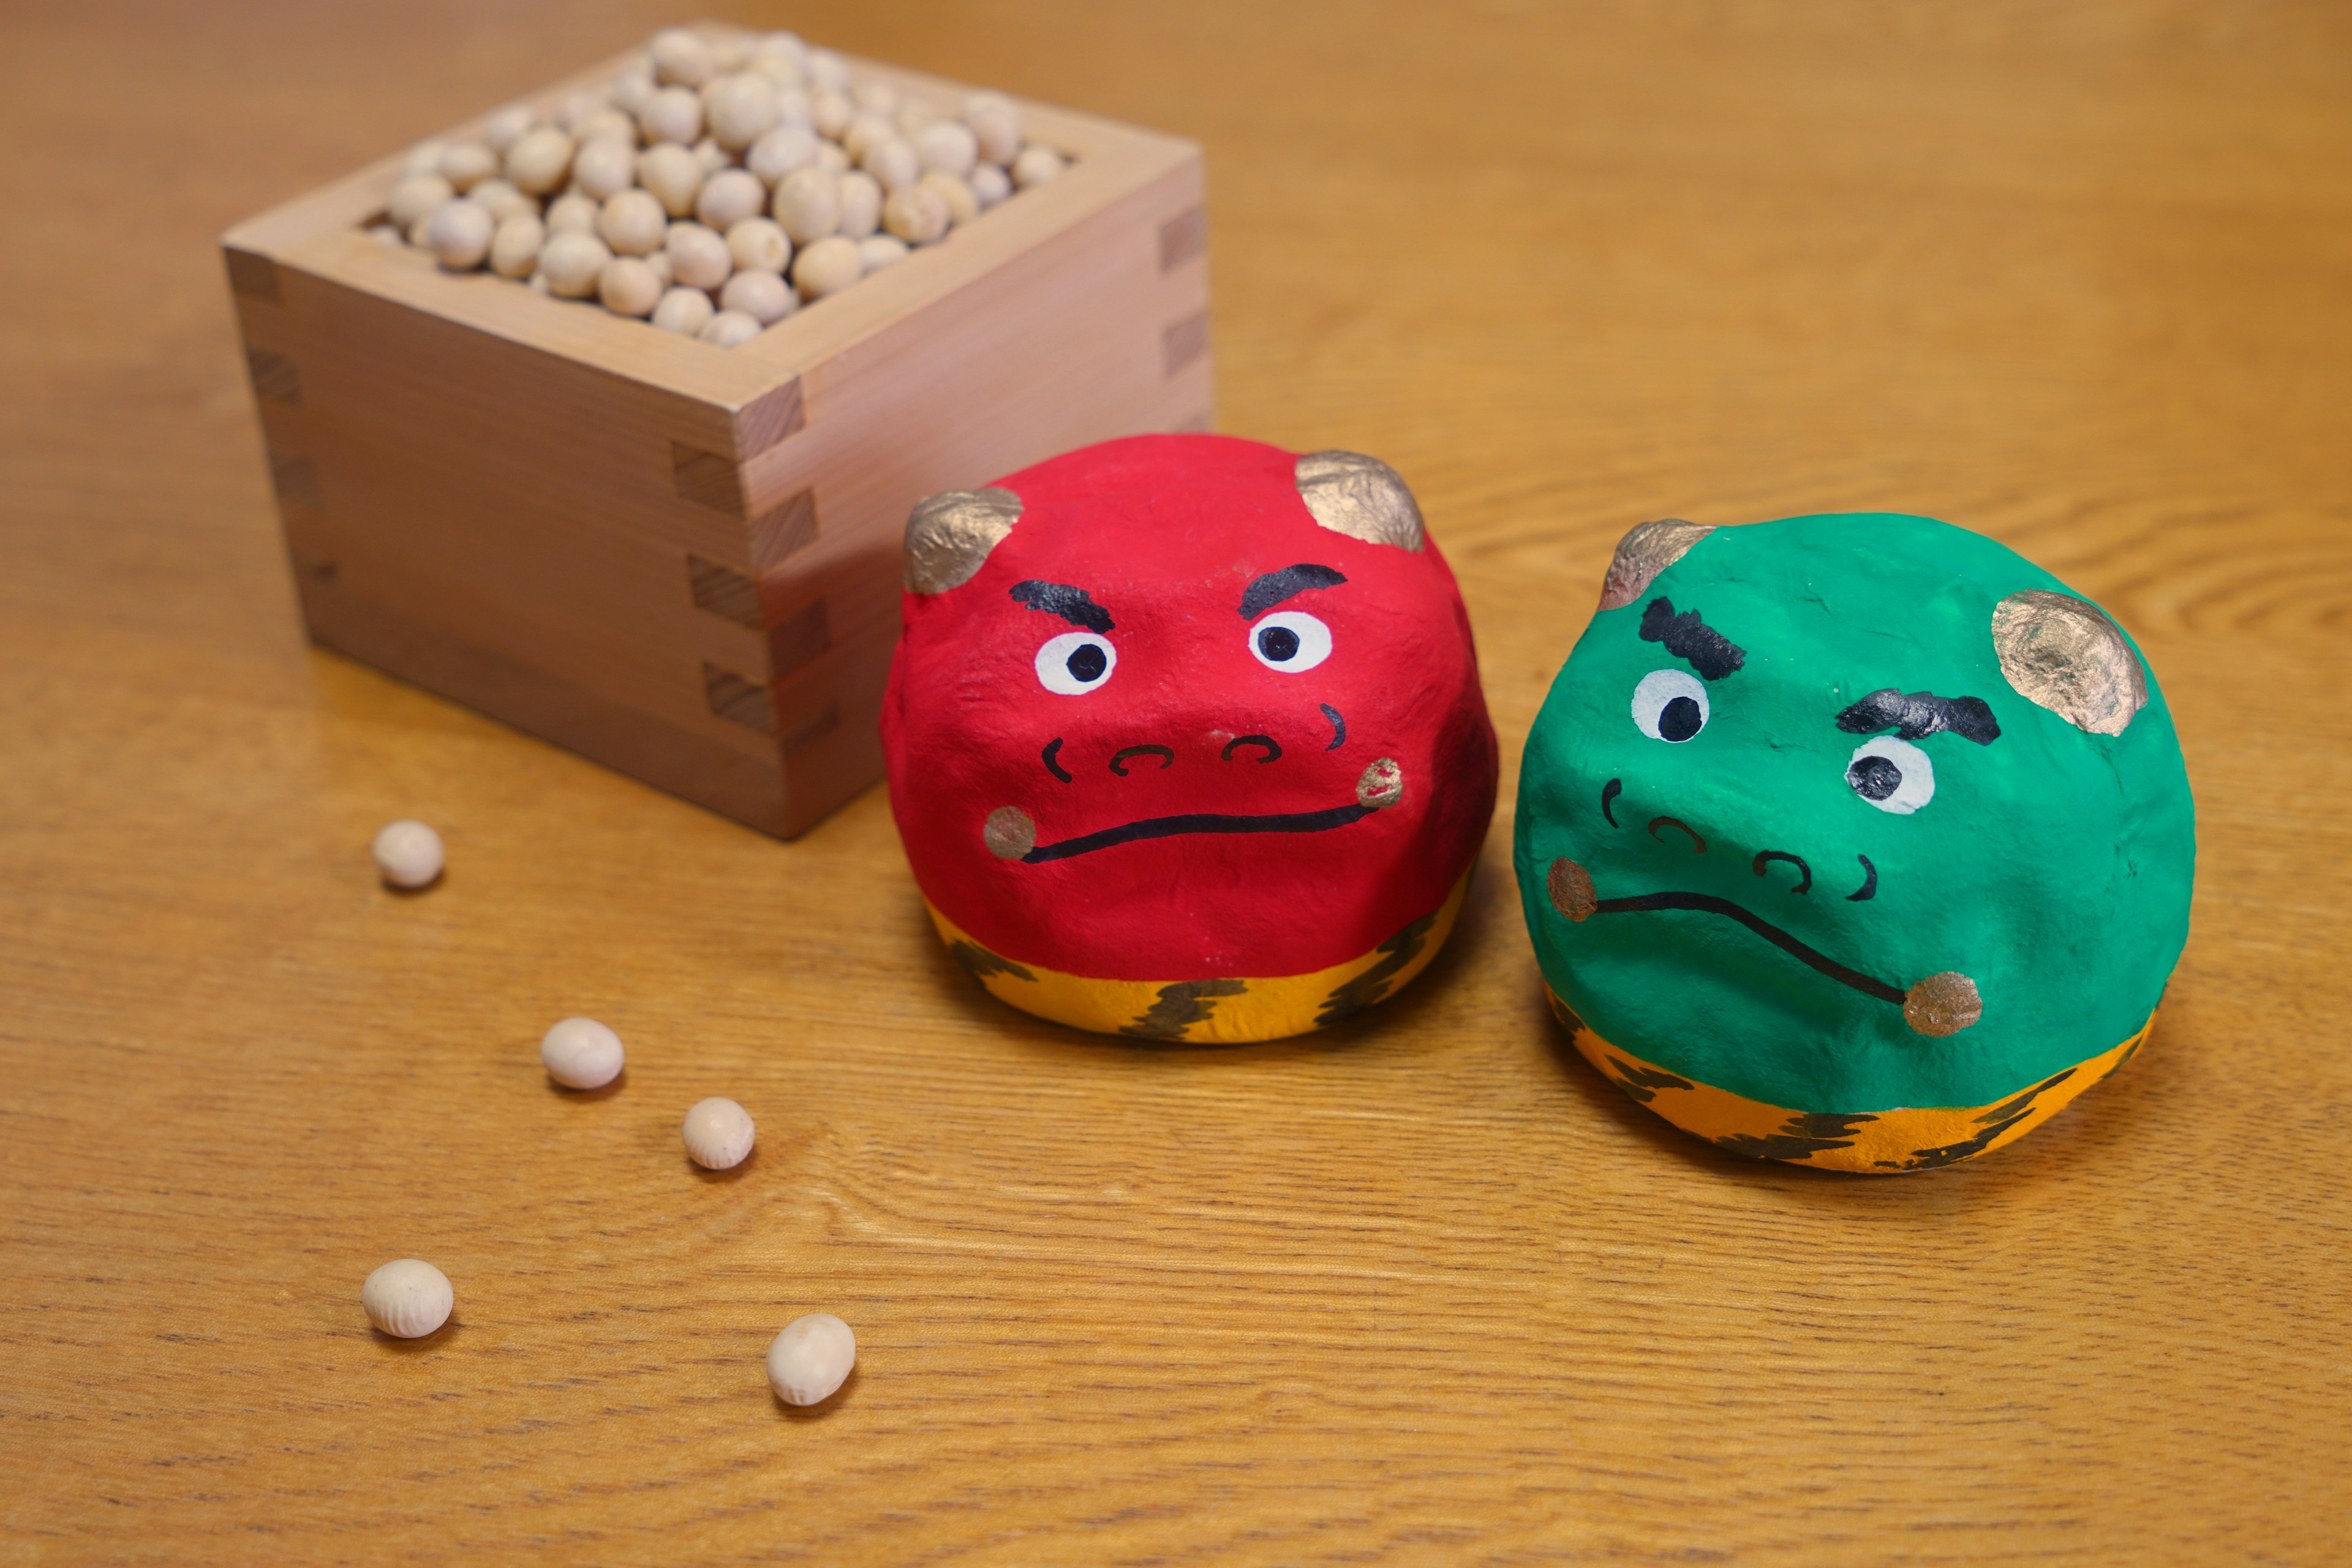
x=1422, y=1289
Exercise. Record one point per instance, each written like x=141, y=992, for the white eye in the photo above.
x=1669, y=705
x=1290, y=641
x=1075, y=663
x=1893, y=776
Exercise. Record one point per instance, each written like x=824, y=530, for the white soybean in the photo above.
x=628, y=286
x=498, y=197
x=810, y=1361
x=711, y=156
x=730, y=196
x=828, y=69
x=683, y=311
x=539, y=160
x=572, y=212
x=424, y=158
x=831, y=112
x=779, y=151
x=633, y=88
x=1037, y=164
x=467, y=164
x=831, y=159
x=740, y=110
x=827, y=267
x=792, y=108
x=996, y=127
x=673, y=175
x=963, y=206
x=808, y=205
x=698, y=257
x=863, y=133
x=502, y=130
x=783, y=46
x=680, y=56
x=514, y=249
x=918, y=215
x=990, y=184
x=633, y=223
x=580, y=1053
x=409, y=1299
x=605, y=123
x=764, y=296
x=892, y=163
x=947, y=147
x=880, y=97
x=573, y=262
x=988, y=101
x=861, y=205
x=784, y=73
x=730, y=329
x=459, y=232
x=675, y=114
x=407, y=852
x=880, y=251
x=577, y=108
x=759, y=245
x=416, y=197
x=604, y=167
x=718, y=1132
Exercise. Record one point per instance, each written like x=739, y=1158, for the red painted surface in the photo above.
x=1165, y=533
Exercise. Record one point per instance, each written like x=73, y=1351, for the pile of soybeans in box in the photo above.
x=714, y=186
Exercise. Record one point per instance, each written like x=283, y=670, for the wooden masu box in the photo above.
x=680, y=560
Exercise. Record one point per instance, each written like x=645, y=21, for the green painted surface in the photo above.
x=2050, y=866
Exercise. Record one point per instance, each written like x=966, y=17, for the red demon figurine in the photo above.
x=1186, y=738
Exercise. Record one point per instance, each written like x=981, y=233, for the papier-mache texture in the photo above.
x=1186, y=738
x=1854, y=841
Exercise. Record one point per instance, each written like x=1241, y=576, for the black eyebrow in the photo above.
x=1075, y=606
x=1687, y=636
x=1264, y=593
x=1917, y=714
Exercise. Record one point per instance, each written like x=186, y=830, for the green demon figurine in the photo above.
x=1855, y=840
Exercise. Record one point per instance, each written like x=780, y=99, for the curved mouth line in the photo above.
x=1199, y=822
x=1707, y=903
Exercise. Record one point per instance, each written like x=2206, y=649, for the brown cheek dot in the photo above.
x=1570, y=886
x=1382, y=783
x=1009, y=832
x=1942, y=1003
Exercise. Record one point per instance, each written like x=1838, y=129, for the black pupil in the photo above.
x=1679, y=720
x=1279, y=643
x=1874, y=778
x=1087, y=663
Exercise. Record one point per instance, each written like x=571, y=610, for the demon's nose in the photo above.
x=1382, y=783
x=1942, y=1003
x=1010, y=832
x=1569, y=887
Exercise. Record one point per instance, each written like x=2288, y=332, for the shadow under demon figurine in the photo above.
x=1857, y=841
x=1186, y=738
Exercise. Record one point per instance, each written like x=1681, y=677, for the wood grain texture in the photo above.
x=1421, y=1290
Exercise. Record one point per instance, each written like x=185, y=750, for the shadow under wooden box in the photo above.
x=681, y=559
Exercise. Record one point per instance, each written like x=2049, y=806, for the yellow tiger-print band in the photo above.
x=1885, y=1143
x=1211, y=1012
